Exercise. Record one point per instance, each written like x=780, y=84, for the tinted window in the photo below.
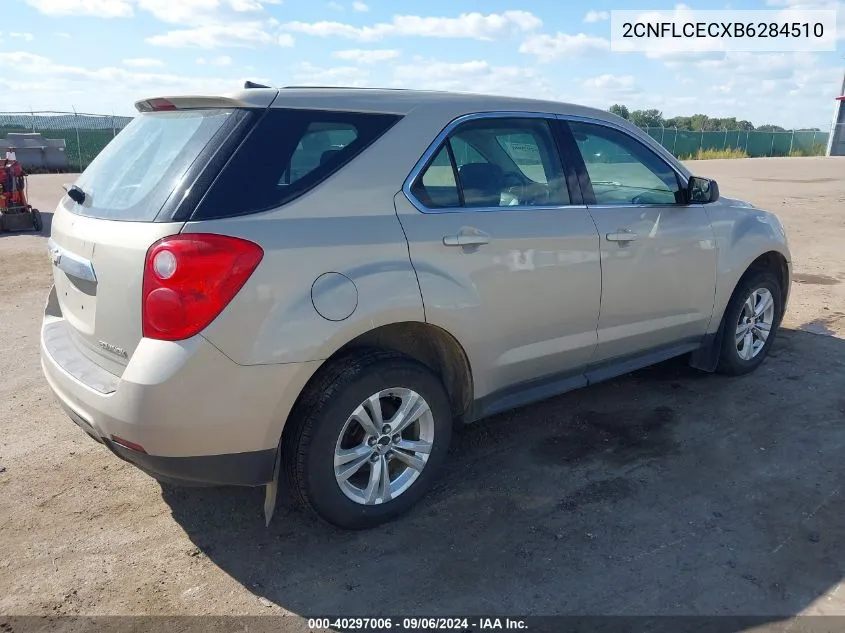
x=525, y=153
x=499, y=162
x=319, y=143
x=288, y=153
x=437, y=187
x=136, y=172
x=623, y=170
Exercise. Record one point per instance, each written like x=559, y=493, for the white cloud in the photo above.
x=27, y=37
x=799, y=5
x=596, y=16
x=307, y=74
x=366, y=56
x=360, y=7
x=101, y=89
x=335, y=6
x=100, y=8
x=180, y=11
x=63, y=35
x=466, y=25
x=285, y=40
x=611, y=82
x=233, y=35
x=199, y=12
x=473, y=76
x=222, y=61
x=245, y=5
x=143, y=62
x=550, y=47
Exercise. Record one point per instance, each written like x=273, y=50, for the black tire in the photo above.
x=37, y=222
x=308, y=446
x=730, y=362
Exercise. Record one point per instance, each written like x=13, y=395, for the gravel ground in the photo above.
x=662, y=492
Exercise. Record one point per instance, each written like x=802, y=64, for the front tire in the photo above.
x=368, y=439
x=750, y=323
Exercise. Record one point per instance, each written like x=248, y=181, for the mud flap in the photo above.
x=271, y=491
x=706, y=357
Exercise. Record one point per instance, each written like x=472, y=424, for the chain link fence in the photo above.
x=687, y=144
x=69, y=141
x=57, y=141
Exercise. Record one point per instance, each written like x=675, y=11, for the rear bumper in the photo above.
x=200, y=418
x=252, y=468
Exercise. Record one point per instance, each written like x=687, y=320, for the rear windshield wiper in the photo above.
x=75, y=193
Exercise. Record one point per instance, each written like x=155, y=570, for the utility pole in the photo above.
x=836, y=138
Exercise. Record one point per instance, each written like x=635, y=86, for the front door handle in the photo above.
x=465, y=238
x=622, y=235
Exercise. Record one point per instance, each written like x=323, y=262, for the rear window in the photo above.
x=134, y=175
x=288, y=153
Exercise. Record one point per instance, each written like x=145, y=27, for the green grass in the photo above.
x=816, y=150
x=708, y=154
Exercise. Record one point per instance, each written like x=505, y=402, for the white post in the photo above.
x=837, y=125
x=78, y=144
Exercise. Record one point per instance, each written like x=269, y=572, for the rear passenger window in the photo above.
x=495, y=163
x=288, y=153
x=320, y=142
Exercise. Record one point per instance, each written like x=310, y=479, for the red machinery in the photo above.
x=16, y=214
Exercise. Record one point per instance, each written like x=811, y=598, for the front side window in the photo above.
x=622, y=170
x=494, y=162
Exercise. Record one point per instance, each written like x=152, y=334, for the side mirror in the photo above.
x=702, y=190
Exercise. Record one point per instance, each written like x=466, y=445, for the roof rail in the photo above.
x=248, y=85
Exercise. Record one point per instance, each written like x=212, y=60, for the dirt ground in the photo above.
x=663, y=492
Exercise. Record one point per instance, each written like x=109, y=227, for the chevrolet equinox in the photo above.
x=314, y=285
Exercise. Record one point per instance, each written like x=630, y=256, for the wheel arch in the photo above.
x=428, y=344
x=706, y=358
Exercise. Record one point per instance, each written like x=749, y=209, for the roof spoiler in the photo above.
x=245, y=99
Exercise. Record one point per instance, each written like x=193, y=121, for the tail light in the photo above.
x=190, y=278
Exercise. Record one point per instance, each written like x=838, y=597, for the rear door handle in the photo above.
x=622, y=235
x=466, y=239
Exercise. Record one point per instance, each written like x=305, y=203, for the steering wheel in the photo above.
x=642, y=198
x=513, y=185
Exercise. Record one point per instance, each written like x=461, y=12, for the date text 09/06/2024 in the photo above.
x=417, y=624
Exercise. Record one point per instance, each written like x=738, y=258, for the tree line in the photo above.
x=694, y=123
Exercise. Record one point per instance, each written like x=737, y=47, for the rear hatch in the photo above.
x=133, y=193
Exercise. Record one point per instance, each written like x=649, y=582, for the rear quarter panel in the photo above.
x=742, y=233
x=346, y=225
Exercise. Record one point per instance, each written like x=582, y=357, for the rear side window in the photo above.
x=135, y=174
x=288, y=153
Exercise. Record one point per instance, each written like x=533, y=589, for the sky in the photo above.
x=101, y=56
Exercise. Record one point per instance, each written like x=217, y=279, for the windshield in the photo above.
x=134, y=175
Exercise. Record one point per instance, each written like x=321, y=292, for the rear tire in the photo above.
x=748, y=334
x=337, y=432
